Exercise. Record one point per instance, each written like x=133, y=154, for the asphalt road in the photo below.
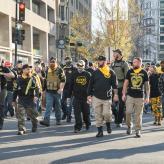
x=59, y=145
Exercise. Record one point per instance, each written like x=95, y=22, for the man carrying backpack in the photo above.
x=120, y=67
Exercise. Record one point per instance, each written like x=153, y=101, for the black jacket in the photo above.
x=100, y=86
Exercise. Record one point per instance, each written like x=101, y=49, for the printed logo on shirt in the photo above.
x=137, y=80
x=81, y=80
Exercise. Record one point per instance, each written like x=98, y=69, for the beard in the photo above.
x=136, y=67
x=101, y=65
x=53, y=66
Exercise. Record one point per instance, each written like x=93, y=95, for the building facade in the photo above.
x=65, y=12
x=152, y=24
x=39, y=26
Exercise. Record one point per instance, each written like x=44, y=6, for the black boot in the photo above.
x=109, y=130
x=1, y=123
x=100, y=132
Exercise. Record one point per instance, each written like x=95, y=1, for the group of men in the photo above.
x=80, y=87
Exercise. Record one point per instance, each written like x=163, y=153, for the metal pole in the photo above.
x=16, y=31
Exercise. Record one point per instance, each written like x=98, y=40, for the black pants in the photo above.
x=120, y=113
x=66, y=110
x=81, y=107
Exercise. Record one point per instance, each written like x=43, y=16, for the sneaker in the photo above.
x=138, y=134
x=129, y=131
x=76, y=130
x=45, y=123
x=119, y=125
x=20, y=132
x=159, y=123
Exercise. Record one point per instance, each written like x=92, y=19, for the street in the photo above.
x=59, y=145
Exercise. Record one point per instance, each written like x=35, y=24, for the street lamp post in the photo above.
x=16, y=31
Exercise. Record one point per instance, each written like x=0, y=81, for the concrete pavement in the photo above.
x=59, y=145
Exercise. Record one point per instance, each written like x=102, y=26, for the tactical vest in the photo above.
x=53, y=81
x=118, y=68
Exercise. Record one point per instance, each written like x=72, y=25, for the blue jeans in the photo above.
x=8, y=103
x=52, y=98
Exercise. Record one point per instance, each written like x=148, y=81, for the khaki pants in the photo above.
x=103, y=111
x=134, y=106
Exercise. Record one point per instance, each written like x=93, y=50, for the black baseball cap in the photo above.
x=101, y=58
x=118, y=51
x=26, y=66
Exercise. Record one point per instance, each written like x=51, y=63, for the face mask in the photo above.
x=68, y=63
x=80, y=70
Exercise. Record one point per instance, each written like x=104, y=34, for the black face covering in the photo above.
x=68, y=63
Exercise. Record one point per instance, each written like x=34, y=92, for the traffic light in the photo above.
x=67, y=40
x=21, y=11
x=72, y=44
x=20, y=36
x=79, y=44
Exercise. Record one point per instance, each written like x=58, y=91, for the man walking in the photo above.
x=5, y=74
x=27, y=92
x=55, y=80
x=120, y=67
x=103, y=80
x=69, y=70
x=78, y=87
x=136, y=83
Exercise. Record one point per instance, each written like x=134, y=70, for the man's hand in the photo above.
x=60, y=91
x=14, y=104
x=35, y=99
x=146, y=100
x=115, y=98
x=124, y=97
x=89, y=99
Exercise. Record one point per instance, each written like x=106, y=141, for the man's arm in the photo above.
x=124, y=90
x=147, y=91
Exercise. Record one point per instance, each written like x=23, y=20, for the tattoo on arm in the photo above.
x=115, y=91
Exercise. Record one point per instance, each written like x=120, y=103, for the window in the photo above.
x=161, y=30
x=36, y=7
x=161, y=13
x=72, y=2
x=162, y=4
x=77, y=4
x=161, y=39
x=62, y=13
x=161, y=47
x=161, y=21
